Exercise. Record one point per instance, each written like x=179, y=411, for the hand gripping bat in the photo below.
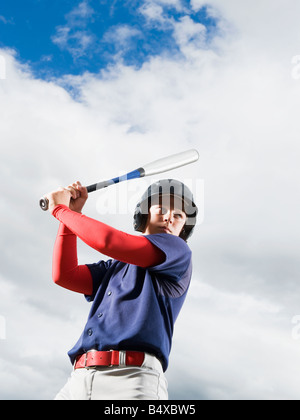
x=156, y=167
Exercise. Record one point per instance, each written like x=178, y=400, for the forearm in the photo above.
x=115, y=244
x=65, y=269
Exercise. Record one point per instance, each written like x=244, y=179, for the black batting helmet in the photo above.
x=167, y=187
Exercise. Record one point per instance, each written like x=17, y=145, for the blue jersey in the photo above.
x=135, y=308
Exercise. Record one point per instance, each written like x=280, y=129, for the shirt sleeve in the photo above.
x=177, y=256
x=98, y=271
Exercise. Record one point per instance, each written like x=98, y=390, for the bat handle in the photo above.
x=44, y=203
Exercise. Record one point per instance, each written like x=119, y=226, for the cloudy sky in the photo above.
x=93, y=88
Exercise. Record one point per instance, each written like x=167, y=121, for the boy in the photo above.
x=137, y=294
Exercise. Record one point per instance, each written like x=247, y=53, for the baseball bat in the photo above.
x=158, y=166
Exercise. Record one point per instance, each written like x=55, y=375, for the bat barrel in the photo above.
x=171, y=162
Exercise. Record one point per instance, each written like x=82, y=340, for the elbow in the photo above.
x=55, y=276
x=59, y=279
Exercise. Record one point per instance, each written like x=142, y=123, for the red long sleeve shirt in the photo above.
x=131, y=249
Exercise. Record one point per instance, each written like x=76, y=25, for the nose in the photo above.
x=168, y=217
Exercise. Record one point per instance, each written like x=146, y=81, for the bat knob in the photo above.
x=44, y=203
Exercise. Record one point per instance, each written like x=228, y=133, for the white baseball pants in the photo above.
x=147, y=382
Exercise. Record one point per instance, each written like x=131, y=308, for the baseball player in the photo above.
x=137, y=293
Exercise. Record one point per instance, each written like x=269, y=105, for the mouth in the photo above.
x=165, y=229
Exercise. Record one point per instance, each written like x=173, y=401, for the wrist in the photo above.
x=59, y=207
x=56, y=208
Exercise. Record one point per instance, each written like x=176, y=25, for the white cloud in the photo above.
x=187, y=32
x=272, y=28
x=80, y=14
x=238, y=105
x=74, y=37
x=76, y=43
x=121, y=35
x=175, y=4
x=239, y=351
x=2, y=67
x=3, y=19
x=152, y=12
x=156, y=10
x=6, y=21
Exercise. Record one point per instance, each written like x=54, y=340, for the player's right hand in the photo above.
x=60, y=196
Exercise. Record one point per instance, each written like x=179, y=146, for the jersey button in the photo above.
x=90, y=331
x=100, y=315
x=109, y=293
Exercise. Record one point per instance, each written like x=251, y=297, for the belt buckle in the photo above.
x=122, y=358
x=86, y=356
x=118, y=359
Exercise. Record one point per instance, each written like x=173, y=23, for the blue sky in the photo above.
x=65, y=37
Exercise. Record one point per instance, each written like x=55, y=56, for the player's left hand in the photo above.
x=79, y=195
x=73, y=196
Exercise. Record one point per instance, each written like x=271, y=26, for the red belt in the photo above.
x=109, y=358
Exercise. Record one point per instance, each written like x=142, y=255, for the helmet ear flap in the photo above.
x=139, y=218
x=183, y=233
x=186, y=232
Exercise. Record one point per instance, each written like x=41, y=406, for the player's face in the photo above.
x=167, y=216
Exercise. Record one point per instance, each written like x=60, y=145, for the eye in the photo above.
x=178, y=215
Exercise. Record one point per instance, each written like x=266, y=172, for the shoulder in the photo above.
x=164, y=240
x=177, y=255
